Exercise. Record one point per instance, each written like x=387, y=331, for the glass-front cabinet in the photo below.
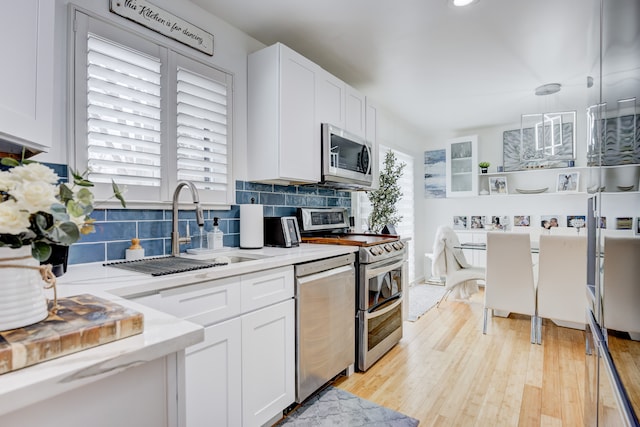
x=462, y=167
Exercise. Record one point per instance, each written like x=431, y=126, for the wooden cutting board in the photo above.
x=81, y=322
x=352, y=239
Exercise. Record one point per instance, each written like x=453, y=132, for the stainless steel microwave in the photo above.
x=346, y=159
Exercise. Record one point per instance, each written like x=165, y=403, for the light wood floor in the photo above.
x=445, y=372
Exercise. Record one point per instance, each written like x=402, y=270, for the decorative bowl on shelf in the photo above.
x=532, y=190
x=625, y=187
x=594, y=189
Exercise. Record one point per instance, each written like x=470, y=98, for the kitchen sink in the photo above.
x=160, y=266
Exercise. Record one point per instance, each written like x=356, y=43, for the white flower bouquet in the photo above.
x=35, y=210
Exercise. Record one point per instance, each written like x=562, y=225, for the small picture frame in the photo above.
x=603, y=222
x=521, y=220
x=548, y=221
x=477, y=221
x=567, y=182
x=498, y=185
x=624, y=223
x=637, y=229
x=576, y=221
x=460, y=222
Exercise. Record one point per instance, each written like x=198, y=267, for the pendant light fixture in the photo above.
x=548, y=89
x=462, y=3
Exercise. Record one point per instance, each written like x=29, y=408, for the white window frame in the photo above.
x=85, y=23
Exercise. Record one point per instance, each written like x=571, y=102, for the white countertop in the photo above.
x=163, y=334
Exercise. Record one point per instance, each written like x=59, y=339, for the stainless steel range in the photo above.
x=380, y=280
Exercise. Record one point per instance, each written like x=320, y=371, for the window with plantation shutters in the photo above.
x=123, y=115
x=147, y=116
x=202, y=130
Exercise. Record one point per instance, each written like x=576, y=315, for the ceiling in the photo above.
x=433, y=67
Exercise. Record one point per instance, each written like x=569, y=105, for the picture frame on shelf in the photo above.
x=460, y=222
x=576, y=221
x=624, y=223
x=637, y=229
x=477, y=222
x=498, y=222
x=567, y=182
x=521, y=220
x=498, y=185
x=549, y=221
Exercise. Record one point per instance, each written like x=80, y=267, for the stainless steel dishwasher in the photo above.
x=325, y=322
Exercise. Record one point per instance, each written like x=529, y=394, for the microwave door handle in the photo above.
x=368, y=147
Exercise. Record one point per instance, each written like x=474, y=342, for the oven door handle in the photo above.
x=392, y=306
x=373, y=272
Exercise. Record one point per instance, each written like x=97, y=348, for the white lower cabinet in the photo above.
x=214, y=378
x=268, y=361
x=243, y=373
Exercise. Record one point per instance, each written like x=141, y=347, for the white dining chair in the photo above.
x=509, y=284
x=562, y=277
x=621, y=285
x=448, y=262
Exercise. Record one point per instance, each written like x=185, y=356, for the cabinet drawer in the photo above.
x=266, y=287
x=203, y=303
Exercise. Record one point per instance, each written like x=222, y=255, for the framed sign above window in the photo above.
x=163, y=22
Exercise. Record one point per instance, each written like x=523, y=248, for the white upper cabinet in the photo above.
x=283, y=138
x=26, y=79
x=462, y=167
x=331, y=100
x=356, y=112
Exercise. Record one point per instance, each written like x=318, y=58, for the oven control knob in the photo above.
x=400, y=245
x=373, y=251
x=387, y=248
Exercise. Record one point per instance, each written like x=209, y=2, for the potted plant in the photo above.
x=384, y=199
x=36, y=214
x=484, y=166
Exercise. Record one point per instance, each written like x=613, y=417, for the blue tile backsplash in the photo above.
x=116, y=227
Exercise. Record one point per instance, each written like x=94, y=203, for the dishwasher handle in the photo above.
x=314, y=267
x=325, y=274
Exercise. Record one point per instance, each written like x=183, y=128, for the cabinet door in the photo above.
x=268, y=362
x=462, y=167
x=299, y=135
x=213, y=377
x=26, y=80
x=355, y=120
x=331, y=99
x=371, y=135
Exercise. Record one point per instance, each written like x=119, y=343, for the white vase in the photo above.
x=22, y=299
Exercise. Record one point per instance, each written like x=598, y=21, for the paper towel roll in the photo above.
x=251, y=227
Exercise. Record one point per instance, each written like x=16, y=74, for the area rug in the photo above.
x=422, y=298
x=335, y=407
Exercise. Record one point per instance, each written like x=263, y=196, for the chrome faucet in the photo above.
x=175, y=235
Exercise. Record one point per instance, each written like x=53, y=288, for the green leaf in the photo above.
x=41, y=251
x=65, y=194
x=59, y=212
x=75, y=209
x=85, y=197
x=8, y=161
x=118, y=194
x=79, y=179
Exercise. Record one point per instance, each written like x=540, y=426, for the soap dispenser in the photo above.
x=215, y=238
x=135, y=251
